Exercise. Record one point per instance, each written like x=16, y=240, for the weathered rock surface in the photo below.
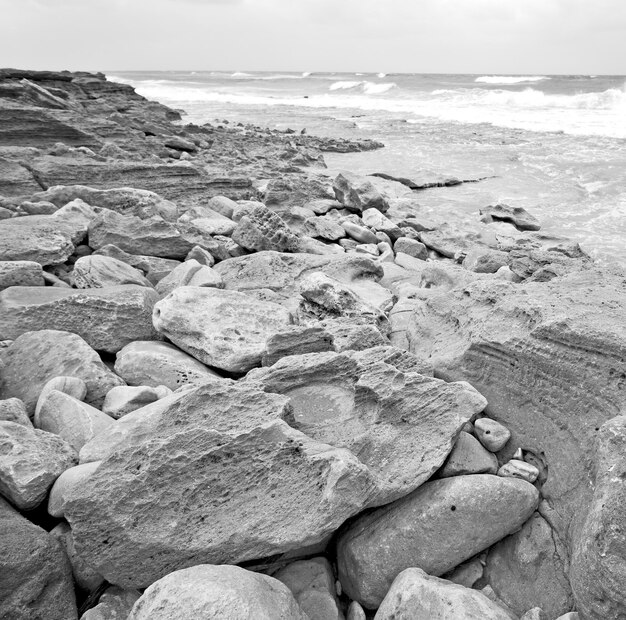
x=224, y=329
x=518, y=216
x=550, y=359
x=528, y=569
x=160, y=363
x=358, y=193
x=30, y=461
x=74, y=421
x=216, y=477
x=107, y=318
x=469, y=457
x=36, y=579
x=598, y=560
x=262, y=229
x=68, y=480
x=95, y=271
x=414, y=594
x=115, y=604
x=189, y=273
x=154, y=267
x=20, y=273
x=16, y=180
x=296, y=340
x=312, y=584
x=212, y=592
x=383, y=413
x=36, y=357
x=72, y=386
x=14, y=410
x=122, y=400
x=434, y=528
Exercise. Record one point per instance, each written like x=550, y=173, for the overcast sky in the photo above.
x=447, y=36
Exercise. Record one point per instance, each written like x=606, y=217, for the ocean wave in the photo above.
x=240, y=74
x=509, y=79
x=381, y=75
x=368, y=88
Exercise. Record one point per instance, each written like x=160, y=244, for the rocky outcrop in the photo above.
x=434, y=528
x=358, y=193
x=261, y=229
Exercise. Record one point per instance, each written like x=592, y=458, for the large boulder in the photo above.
x=124, y=200
x=95, y=271
x=36, y=357
x=216, y=477
x=213, y=592
x=550, y=357
x=107, y=318
x=155, y=363
x=36, y=579
x=435, y=528
x=30, y=461
x=358, y=193
x=598, y=569
x=399, y=423
x=414, y=594
x=224, y=329
x=262, y=229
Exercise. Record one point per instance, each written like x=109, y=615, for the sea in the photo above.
x=553, y=144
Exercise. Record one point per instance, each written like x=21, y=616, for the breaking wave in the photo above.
x=510, y=79
x=368, y=88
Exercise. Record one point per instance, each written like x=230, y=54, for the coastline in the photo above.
x=280, y=282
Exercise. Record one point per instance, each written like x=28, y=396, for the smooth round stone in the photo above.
x=66, y=482
x=72, y=386
x=519, y=469
x=355, y=612
x=491, y=434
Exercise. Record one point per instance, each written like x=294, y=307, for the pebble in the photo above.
x=519, y=469
x=491, y=434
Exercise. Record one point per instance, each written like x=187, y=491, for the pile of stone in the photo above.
x=330, y=409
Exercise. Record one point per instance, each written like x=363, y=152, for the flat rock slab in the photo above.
x=30, y=461
x=223, y=329
x=155, y=363
x=38, y=356
x=95, y=271
x=36, y=579
x=207, y=591
x=550, y=357
x=435, y=528
x=217, y=477
x=20, y=273
x=107, y=318
x=414, y=594
x=15, y=179
x=400, y=424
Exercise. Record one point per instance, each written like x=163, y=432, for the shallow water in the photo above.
x=553, y=145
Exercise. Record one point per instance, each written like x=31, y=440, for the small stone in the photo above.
x=355, y=612
x=115, y=604
x=468, y=457
x=67, y=482
x=359, y=233
x=189, y=273
x=491, y=434
x=485, y=260
x=96, y=271
x=379, y=222
x=536, y=613
x=466, y=574
x=72, y=386
x=519, y=469
x=14, y=410
x=124, y=399
x=204, y=257
x=368, y=248
x=222, y=205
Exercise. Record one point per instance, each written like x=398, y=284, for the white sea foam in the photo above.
x=510, y=79
x=240, y=74
x=381, y=75
x=368, y=88
x=306, y=74
x=344, y=85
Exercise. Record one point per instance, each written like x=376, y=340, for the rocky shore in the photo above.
x=237, y=384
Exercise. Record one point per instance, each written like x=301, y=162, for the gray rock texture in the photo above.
x=96, y=271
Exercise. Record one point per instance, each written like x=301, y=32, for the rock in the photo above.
x=485, y=260
x=154, y=267
x=107, y=318
x=14, y=410
x=598, y=566
x=536, y=613
x=69, y=479
x=312, y=584
x=435, y=528
x=97, y=271
x=491, y=434
x=358, y=193
x=207, y=591
x=223, y=205
x=519, y=469
x=373, y=407
x=160, y=363
x=355, y=612
x=36, y=357
x=20, y=273
x=36, y=575
x=209, y=221
x=30, y=461
x=72, y=386
x=549, y=358
x=261, y=229
x=202, y=256
x=349, y=337
x=189, y=273
x=123, y=399
x=74, y=421
x=85, y=578
x=449, y=241
x=37, y=208
x=41, y=239
x=411, y=247
x=224, y=329
x=468, y=457
x=114, y=604
x=240, y=484
x=180, y=144
x=376, y=220
x=324, y=228
x=321, y=206
x=296, y=340
x=466, y=574
x=572, y=615
x=359, y=233
x=16, y=180
x=528, y=569
x=519, y=217
x=125, y=200
x=368, y=248
x=414, y=594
